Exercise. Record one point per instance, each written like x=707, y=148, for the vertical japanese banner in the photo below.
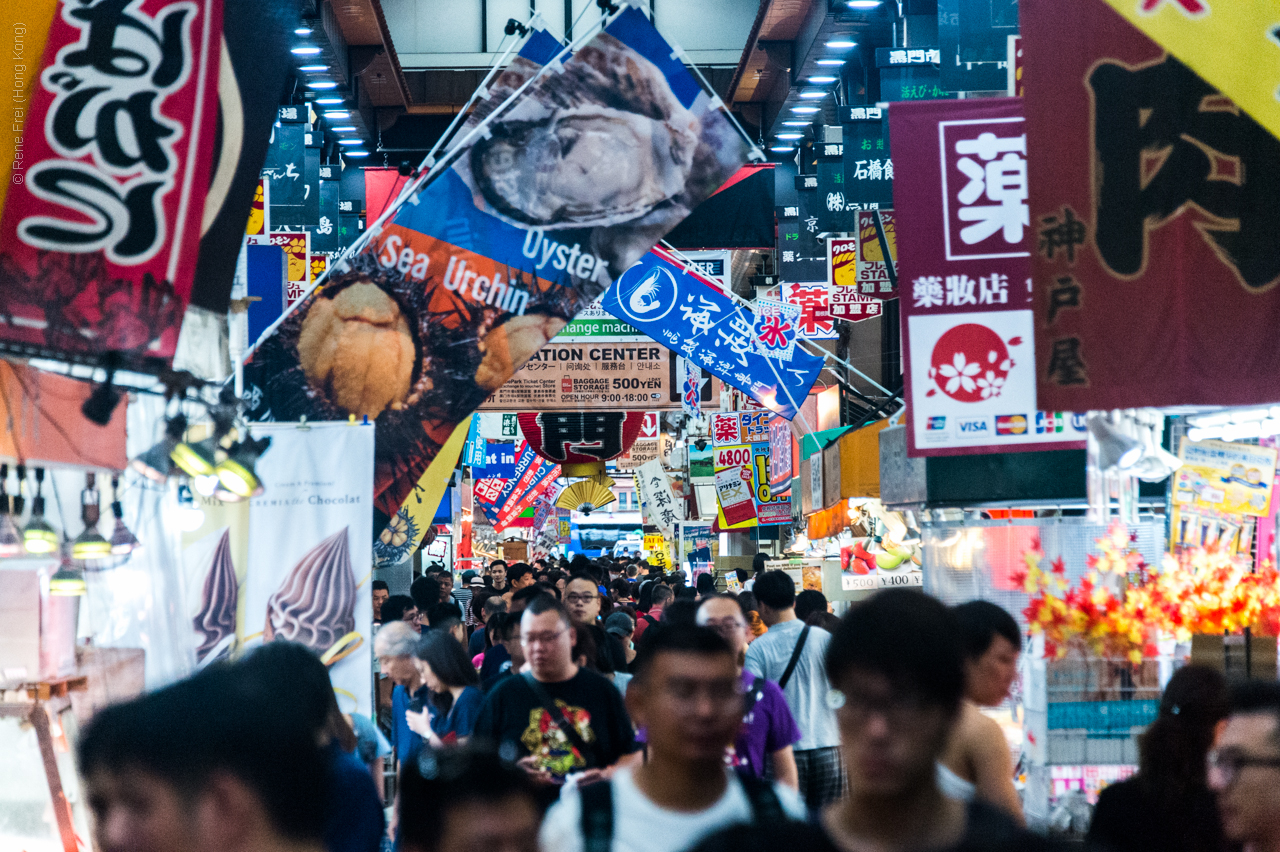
x=666, y=511
x=966, y=294
x=101, y=223
x=297, y=252
x=309, y=560
x=258, y=228
x=1155, y=204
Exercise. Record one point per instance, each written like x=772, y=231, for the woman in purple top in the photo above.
x=768, y=728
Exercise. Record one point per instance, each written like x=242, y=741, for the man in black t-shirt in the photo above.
x=516, y=715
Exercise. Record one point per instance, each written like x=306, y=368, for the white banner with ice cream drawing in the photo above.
x=310, y=553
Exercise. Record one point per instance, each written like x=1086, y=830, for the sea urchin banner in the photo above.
x=539, y=213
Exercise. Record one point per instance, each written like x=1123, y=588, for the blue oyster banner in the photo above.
x=541, y=206
x=681, y=309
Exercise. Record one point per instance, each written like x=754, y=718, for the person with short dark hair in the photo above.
x=213, y=762
x=582, y=599
x=380, y=592
x=490, y=606
x=506, y=655
x=763, y=747
x=354, y=819
x=705, y=585
x=790, y=654
x=520, y=599
x=497, y=575
x=466, y=799
x=897, y=665
x=401, y=608
x=686, y=694
x=453, y=699
x=660, y=597
x=425, y=591
x=558, y=717
x=976, y=761
x=1244, y=767
x=808, y=602
x=1168, y=806
x=519, y=576
x=447, y=617
x=680, y=611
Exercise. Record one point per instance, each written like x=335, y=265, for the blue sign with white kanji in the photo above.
x=680, y=309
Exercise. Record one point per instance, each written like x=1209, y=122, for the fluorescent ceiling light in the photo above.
x=356, y=153
x=350, y=141
x=305, y=51
x=796, y=123
x=314, y=68
x=336, y=113
x=328, y=101
x=829, y=63
x=322, y=84
x=790, y=136
x=302, y=31
x=806, y=110
x=862, y=4
x=782, y=149
x=811, y=79
x=813, y=95
x=842, y=43
x=346, y=128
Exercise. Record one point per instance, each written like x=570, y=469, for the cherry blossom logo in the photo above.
x=971, y=363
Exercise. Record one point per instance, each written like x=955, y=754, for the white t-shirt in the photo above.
x=639, y=825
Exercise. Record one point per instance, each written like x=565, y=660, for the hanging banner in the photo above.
x=309, y=560
x=685, y=312
x=800, y=252
x=973, y=35
x=111, y=162
x=258, y=228
x=877, y=277
x=478, y=270
x=297, y=252
x=531, y=477
x=775, y=328
x=1231, y=46
x=733, y=493
x=691, y=384
x=847, y=301
x=868, y=168
x=814, y=301
x=1136, y=273
x=966, y=305
x=660, y=503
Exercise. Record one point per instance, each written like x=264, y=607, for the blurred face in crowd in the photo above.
x=498, y=575
x=582, y=599
x=990, y=676
x=515, y=649
x=508, y=825
x=690, y=705
x=890, y=735
x=379, y=595
x=412, y=617
x=138, y=811
x=725, y=617
x=401, y=670
x=1244, y=772
x=548, y=646
x=446, y=587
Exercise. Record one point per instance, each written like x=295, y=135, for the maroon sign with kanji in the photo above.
x=1155, y=205
x=102, y=222
x=964, y=242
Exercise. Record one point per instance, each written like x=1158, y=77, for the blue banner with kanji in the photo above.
x=686, y=312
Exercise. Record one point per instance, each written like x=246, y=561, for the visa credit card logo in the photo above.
x=971, y=426
x=1011, y=424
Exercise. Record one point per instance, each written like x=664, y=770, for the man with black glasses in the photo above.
x=1244, y=769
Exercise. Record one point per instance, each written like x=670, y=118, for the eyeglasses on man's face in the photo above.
x=1225, y=765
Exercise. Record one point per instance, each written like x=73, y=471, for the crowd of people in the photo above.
x=589, y=706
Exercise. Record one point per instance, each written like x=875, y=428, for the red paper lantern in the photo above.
x=581, y=441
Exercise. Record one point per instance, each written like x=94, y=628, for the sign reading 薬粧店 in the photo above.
x=965, y=281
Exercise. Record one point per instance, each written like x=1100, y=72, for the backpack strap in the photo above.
x=795, y=658
x=597, y=816
x=765, y=807
x=649, y=619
